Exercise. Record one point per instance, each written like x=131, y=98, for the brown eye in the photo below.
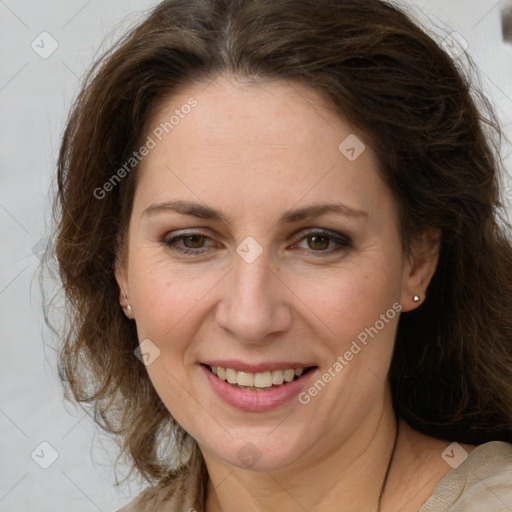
x=189, y=243
x=324, y=243
x=318, y=242
x=194, y=241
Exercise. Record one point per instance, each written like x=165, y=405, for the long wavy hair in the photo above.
x=436, y=140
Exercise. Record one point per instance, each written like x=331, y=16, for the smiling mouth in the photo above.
x=261, y=381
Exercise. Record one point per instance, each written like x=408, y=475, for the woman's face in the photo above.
x=262, y=241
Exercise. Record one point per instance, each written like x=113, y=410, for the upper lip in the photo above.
x=260, y=367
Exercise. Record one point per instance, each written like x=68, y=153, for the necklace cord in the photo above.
x=386, y=475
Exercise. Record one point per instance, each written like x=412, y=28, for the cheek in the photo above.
x=352, y=299
x=166, y=299
x=356, y=314
x=359, y=311
x=169, y=310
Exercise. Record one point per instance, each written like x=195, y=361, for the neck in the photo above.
x=346, y=477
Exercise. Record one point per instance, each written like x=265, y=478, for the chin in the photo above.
x=260, y=451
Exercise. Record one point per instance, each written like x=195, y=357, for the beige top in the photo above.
x=482, y=483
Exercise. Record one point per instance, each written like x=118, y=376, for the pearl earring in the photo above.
x=416, y=298
x=128, y=306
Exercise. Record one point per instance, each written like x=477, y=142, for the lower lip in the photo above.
x=256, y=401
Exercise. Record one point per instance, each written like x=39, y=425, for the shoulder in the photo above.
x=150, y=500
x=180, y=491
x=174, y=496
x=135, y=505
x=483, y=481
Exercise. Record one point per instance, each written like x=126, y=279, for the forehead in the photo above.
x=229, y=111
x=257, y=143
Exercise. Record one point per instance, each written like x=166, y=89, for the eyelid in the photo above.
x=335, y=235
x=169, y=239
x=185, y=232
x=342, y=241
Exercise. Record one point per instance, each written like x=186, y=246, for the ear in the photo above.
x=420, y=267
x=122, y=281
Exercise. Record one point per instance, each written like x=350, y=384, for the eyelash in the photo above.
x=343, y=242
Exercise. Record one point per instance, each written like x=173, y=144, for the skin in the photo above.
x=253, y=152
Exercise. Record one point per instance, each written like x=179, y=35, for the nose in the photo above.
x=255, y=304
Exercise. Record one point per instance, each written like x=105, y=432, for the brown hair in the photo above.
x=451, y=375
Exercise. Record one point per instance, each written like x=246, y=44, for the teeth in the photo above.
x=231, y=376
x=277, y=377
x=263, y=380
x=260, y=380
x=289, y=375
x=245, y=379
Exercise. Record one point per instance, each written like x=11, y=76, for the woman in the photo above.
x=288, y=284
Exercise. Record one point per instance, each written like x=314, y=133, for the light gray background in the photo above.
x=35, y=95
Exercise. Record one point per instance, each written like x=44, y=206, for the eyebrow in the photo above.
x=289, y=217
